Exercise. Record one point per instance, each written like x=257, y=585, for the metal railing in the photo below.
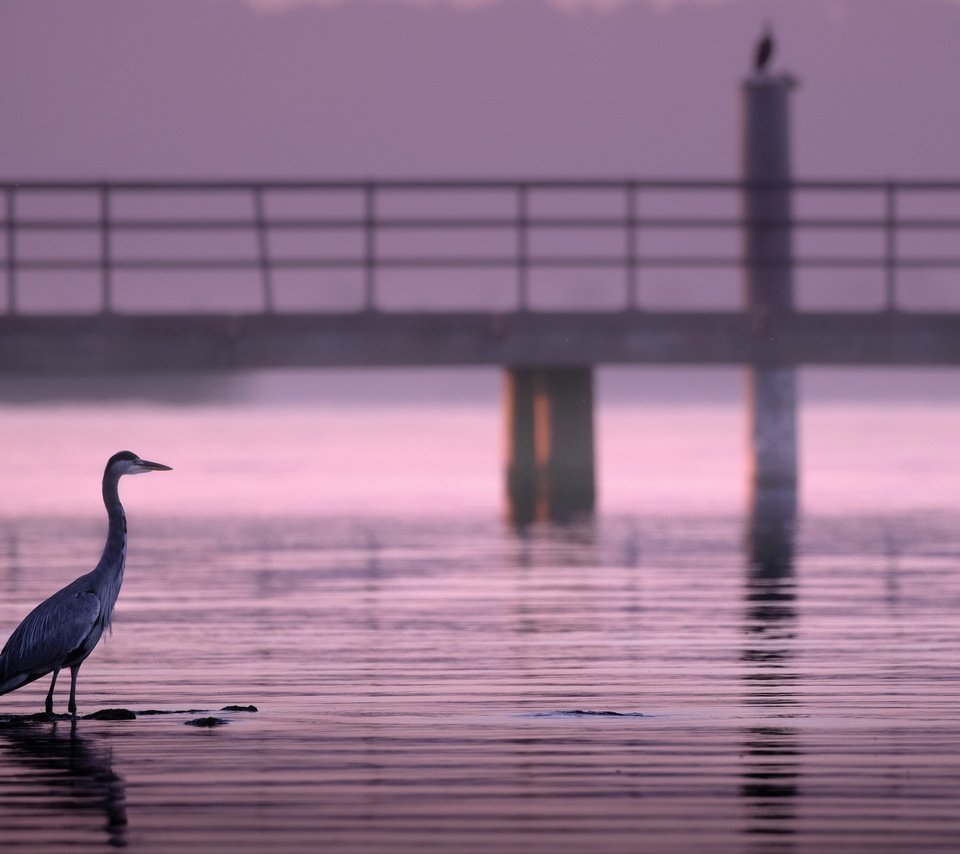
x=515, y=212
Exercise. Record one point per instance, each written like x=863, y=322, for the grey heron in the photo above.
x=764, y=49
x=63, y=630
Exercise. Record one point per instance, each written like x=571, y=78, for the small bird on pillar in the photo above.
x=764, y=50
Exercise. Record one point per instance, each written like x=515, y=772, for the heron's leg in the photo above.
x=72, y=705
x=49, y=704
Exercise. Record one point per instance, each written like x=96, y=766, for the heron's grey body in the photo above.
x=64, y=629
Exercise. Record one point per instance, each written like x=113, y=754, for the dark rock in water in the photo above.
x=124, y=715
x=207, y=722
x=587, y=713
x=36, y=717
x=111, y=715
x=603, y=714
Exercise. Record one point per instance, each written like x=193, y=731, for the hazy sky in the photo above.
x=112, y=88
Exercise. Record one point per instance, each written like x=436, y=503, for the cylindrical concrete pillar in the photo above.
x=765, y=166
x=768, y=274
x=550, y=456
x=567, y=433
x=772, y=402
x=519, y=398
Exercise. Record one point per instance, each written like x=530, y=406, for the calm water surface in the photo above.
x=429, y=679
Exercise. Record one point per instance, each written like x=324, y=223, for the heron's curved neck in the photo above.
x=117, y=532
x=111, y=496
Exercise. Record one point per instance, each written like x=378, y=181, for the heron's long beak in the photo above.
x=146, y=465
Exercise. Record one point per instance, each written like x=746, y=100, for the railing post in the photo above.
x=11, y=211
x=523, y=247
x=370, y=246
x=890, y=257
x=106, y=284
x=263, y=249
x=633, y=296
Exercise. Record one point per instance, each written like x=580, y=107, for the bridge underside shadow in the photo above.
x=114, y=343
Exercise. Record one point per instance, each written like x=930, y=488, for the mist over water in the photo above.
x=415, y=443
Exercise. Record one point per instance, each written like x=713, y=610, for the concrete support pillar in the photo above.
x=522, y=477
x=772, y=402
x=768, y=278
x=550, y=466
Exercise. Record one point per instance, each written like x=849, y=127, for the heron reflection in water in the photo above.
x=64, y=629
x=75, y=777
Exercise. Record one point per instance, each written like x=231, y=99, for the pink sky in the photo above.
x=110, y=88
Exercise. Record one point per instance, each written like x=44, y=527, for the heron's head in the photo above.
x=127, y=462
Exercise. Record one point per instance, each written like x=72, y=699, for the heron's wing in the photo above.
x=49, y=633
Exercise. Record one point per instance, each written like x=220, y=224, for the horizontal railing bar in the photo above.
x=493, y=183
x=139, y=264
x=452, y=262
x=468, y=223
x=135, y=225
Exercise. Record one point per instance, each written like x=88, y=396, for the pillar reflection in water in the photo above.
x=65, y=775
x=771, y=751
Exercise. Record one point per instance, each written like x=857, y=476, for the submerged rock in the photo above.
x=588, y=713
x=111, y=715
x=35, y=717
x=126, y=715
x=207, y=722
x=602, y=714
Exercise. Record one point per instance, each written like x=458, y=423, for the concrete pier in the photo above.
x=768, y=280
x=550, y=466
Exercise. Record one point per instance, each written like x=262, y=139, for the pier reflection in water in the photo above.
x=771, y=753
x=637, y=684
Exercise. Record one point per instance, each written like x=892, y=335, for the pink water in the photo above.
x=433, y=459
x=416, y=662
